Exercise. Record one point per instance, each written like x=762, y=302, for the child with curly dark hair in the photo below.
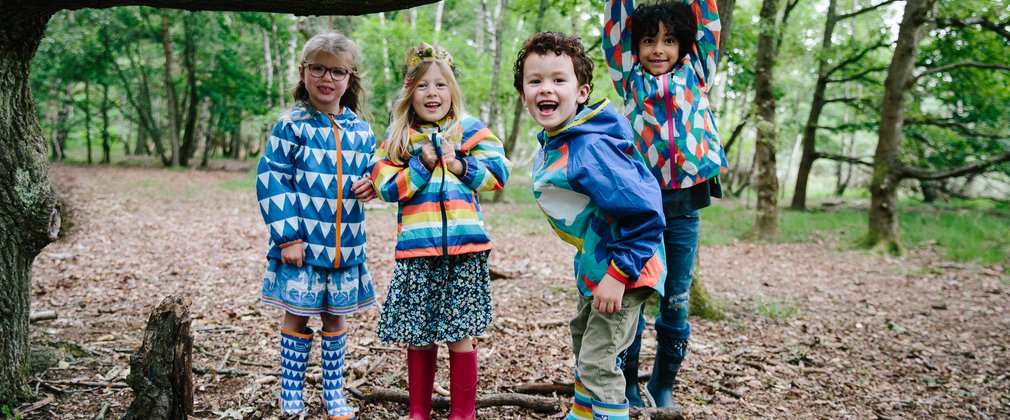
x=599, y=197
x=662, y=60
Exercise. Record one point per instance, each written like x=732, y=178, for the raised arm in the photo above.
x=706, y=52
x=617, y=42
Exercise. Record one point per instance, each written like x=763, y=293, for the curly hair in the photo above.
x=543, y=42
x=677, y=17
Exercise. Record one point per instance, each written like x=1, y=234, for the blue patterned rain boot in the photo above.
x=334, y=344
x=582, y=409
x=295, y=349
x=604, y=411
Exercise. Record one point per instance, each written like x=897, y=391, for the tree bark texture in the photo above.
x=161, y=370
x=29, y=215
x=766, y=223
x=883, y=226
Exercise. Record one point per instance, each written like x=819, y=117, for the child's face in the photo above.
x=431, y=99
x=551, y=92
x=658, y=54
x=326, y=77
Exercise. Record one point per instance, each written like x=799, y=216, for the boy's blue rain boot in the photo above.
x=295, y=349
x=630, y=368
x=334, y=344
x=582, y=408
x=659, y=390
x=604, y=411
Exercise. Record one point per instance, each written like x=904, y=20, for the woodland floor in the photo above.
x=815, y=330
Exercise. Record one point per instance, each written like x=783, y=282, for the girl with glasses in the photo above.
x=312, y=182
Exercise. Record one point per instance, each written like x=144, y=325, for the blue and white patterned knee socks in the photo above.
x=334, y=344
x=295, y=349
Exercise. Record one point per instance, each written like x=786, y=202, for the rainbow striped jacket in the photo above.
x=303, y=185
x=674, y=127
x=598, y=197
x=439, y=213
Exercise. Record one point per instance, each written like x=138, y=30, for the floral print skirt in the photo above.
x=437, y=299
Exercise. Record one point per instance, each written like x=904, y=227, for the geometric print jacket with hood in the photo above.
x=598, y=197
x=303, y=185
x=438, y=212
x=674, y=127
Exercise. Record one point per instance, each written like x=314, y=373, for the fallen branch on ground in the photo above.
x=42, y=316
x=81, y=382
x=528, y=402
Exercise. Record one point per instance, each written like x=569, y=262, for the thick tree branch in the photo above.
x=952, y=66
x=881, y=43
x=843, y=100
x=971, y=168
x=857, y=76
x=842, y=158
x=298, y=7
x=1002, y=29
x=959, y=127
x=858, y=12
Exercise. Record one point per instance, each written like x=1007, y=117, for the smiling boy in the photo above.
x=598, y=197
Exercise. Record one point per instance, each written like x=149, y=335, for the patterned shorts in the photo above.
x=437, y=299
x=311, y=290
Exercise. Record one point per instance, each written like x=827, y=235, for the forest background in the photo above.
x=849, y=111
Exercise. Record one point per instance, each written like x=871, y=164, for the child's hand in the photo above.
x=293, y=254
x=449, y=158
x=608, y=295
x=363, y=190
x=428, y=156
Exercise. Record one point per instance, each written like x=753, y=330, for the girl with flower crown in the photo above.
x=434, y=161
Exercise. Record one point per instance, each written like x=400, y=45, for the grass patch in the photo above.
x=777, y=310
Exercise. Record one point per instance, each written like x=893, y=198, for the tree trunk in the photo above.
x=161, y=370
x=173, y=102
x=813, y=119
x=62, y=123
x=29, y=214
x=106, y=146
x=766, y=225
x=883, y=224
x=725, y=8
x=87, y=118
x=193, y=102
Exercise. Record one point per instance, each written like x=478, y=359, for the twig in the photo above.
x=224, y=360
x=101, y=413
x=654, y=413
x=384, y=348
x=80, y=382
x=20, y=412
x=529, y=402
x=558, y=388
x=41, y=316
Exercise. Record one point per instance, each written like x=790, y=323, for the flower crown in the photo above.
x=426, y=52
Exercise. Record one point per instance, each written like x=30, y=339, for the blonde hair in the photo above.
x=398, y=142
x=337, y=45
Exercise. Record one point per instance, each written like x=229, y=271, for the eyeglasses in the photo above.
x=319, y=70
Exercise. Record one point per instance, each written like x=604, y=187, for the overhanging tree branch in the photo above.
x=1002, y=29
x=858, y=12
x=971, y=168
x=298, y=7
x=952, y=66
